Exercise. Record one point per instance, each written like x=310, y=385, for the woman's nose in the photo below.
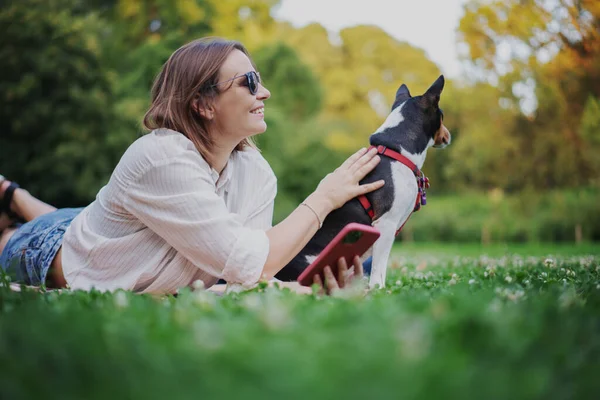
x=263, y=93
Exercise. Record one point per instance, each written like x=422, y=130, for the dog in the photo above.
x=414, y=125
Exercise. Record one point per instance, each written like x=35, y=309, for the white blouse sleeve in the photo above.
x=261, y=216
x=176, y=199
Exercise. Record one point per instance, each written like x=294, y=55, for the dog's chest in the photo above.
x=405, y=191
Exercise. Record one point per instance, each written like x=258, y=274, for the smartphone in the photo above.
x=354, y=240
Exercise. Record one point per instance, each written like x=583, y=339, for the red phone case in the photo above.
x=337, y=249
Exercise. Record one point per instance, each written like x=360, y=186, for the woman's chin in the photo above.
x=260, y=129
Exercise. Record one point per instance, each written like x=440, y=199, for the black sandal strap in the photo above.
x=7, y=199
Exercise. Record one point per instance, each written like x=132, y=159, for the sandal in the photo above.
x=7, y=198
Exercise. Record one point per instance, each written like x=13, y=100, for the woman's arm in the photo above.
x=287, y=238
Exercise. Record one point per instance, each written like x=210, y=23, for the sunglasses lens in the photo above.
x=253, y=80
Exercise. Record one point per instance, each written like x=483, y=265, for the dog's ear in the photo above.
x=432, y=95
x=401, y=96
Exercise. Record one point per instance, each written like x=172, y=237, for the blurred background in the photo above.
x=522, y=98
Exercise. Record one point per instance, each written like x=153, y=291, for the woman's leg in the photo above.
x=27, y=207
x=4, y=236
x=24, y=204
x=56, y=276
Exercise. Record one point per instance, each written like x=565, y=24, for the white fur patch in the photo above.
x=394, y=119
x=405, y=194
x=419, y=158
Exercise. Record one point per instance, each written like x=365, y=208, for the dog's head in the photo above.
x=415, y=123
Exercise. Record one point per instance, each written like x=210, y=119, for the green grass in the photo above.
x=452, y=322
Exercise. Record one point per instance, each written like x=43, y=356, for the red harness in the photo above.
x=422, y=183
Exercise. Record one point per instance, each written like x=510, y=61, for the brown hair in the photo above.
x=185, y=83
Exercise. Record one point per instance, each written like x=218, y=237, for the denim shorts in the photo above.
x=29, y=252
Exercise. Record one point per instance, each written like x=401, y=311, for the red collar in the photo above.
x=398, y=157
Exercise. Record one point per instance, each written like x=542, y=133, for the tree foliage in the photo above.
x=545, y=55
x=56, y=116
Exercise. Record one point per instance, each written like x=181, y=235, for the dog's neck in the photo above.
x=402, y=136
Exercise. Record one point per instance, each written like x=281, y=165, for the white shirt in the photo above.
x=166, y=219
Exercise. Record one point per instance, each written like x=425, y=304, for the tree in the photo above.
x=360, y=71
x=545, y=56
x=56, y=117
x=297, y=91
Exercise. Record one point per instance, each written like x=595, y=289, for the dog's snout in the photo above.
x=447, y=138
x=442, y=138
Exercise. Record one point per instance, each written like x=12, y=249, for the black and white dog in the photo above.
x=414, y=125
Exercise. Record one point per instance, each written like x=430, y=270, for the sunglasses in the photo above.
x=252, y=81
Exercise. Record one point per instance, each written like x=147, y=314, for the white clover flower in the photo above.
x=120, y=299
x=508, y=279
x=549, y=262
x=452, y=282
x=491, y=270
x=198, y=284
x=545, y=274
x=472, y=281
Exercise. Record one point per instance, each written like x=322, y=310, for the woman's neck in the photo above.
x=219, y=155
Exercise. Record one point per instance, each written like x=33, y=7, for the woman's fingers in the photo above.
x=353, y=158
x=368, y=157
x=317, y=280
x=345, y=276
x=358, y=268
x=366, y=164
x=342, y=272
x=330, y=281
x=369, y=187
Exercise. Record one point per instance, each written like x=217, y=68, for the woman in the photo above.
x=191, y=200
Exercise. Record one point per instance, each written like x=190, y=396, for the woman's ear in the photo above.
x=204, y=109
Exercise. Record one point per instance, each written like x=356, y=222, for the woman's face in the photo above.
x=238, y=114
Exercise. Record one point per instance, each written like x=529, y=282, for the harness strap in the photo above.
x=366, y=205
x=422, y=183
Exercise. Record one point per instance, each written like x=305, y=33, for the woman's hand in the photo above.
x=342, y=184
x=344, y=279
